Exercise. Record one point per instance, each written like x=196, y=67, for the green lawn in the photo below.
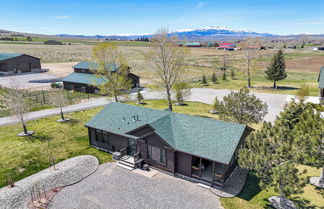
x=252, y=196
x=290, y=85
x=22, y=157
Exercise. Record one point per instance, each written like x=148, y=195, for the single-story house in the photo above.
x=227, y=46
x=197, y=148
x=11, y=63
x=321, y=83
x=84, y=79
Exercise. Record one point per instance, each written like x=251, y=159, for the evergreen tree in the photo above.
x=203, y=80
x=214, y=78
x=182, y=91
x=232, y=75
x=277, y=69
x=139, y=97
x=269, y=154
x=224, y=76
x=242, y=107
x=308, y=137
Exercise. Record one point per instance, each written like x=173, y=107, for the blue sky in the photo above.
x=107, y=17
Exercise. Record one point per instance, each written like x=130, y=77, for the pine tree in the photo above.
x=308, y=139
x=139, y=97
x=214, y=78
x=224, y=76
x=232, y=75
x=203, y=80
x=269, y=154
x=277, y=69
x=242, y=107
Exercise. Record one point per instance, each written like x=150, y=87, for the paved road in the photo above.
x=116, y=188
x=275, y=103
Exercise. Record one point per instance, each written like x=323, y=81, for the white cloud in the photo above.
x=61, y=17
x=199, y=6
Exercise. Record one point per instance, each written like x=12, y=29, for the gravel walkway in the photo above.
x=117, y=188
x=67, y=172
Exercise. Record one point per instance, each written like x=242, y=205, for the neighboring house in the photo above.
x=197, y=148
x=11, y=63
x=84, y=79
x=321, y=84
x=227, y=46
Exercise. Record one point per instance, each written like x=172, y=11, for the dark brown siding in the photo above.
x=157, y=141
x=115, y=142
x=92, y=137
x=80, y=70
x=79, y=87
x=183, y=163
x=22, y=64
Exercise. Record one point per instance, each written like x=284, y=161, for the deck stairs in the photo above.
x=127, y=162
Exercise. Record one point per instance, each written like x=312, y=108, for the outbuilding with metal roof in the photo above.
x=11, y=63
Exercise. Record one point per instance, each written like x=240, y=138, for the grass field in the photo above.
x=302, y=64
x=22, y=157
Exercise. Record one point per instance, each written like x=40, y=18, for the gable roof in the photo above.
x=94, y=66
x=4, y=56
x=321, y=78
x=208, y=138
x=85, y=78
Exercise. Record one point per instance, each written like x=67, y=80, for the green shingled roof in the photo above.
x=208, y=138
x=85, y=78
x=4, y=56
x=93, y=66
x=321, y=78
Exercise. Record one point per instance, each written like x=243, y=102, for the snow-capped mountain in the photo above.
x=211, y=32
x=204, y=33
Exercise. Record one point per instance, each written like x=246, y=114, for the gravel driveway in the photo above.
x=116, y=188
x=23, y=80
x=275, y=102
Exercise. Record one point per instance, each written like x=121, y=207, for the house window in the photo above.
x=157, y=154
x=98, y=136
x=105, y=138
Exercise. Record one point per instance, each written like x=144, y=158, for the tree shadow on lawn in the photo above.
x=251, y=187
x=284, y=88
x=40, y=137
x=302, y=203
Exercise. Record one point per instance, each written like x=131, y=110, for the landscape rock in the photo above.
x=66, y=173
x=281, y=203
x=315, y=180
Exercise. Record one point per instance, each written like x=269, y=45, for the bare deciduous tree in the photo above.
x=113, y=70
x=250, y=52
x=15, y=101
x=167, y=60
x=58, y=98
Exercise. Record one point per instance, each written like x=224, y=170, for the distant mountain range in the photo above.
x=205, y=33
x=200, y=34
